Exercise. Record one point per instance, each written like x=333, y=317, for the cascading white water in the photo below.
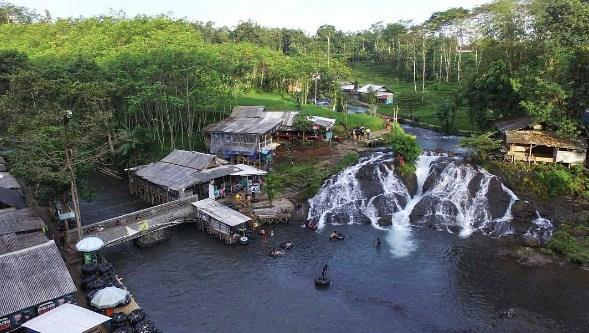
x=399, y=236
x=340, y=194
x=457, y=206
x=457, y=198
x=542, y=229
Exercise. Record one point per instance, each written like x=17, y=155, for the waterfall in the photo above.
x=458, y=198
x=541, y=229
x=341, y=194
x=399, y=236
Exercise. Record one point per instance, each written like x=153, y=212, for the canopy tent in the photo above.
x=66, y=318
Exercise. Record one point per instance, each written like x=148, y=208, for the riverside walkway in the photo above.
x=134, y=225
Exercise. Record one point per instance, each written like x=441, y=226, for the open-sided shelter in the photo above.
x=543, y=147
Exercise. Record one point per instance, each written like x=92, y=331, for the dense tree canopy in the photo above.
x=146, y=84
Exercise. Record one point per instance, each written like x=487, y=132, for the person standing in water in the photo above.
x=378, y=242
x=324, y=272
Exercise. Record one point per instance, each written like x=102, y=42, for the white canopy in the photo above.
x=109, y=297
x=247, y=170
x=66, y=318
x=89, y=244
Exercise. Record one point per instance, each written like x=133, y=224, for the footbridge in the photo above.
x=134, y=225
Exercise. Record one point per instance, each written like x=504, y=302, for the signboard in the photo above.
x=67, y=216
x=5, y=324
x=45, y=307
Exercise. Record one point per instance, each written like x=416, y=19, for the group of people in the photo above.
x=360, y=133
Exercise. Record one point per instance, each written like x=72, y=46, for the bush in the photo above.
x=481, y=144
x=404, y=145
x=556, y=181
x=575, y=249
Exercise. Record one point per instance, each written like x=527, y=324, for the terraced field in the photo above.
x=411, y=104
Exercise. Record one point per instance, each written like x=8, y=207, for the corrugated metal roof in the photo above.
x=323, y=122
x=66, y=318
x=14, y=242
x=365, y=89
x=220, y=212
x=8, y=181
x=192, y=159
x=244, y=126
x=287, y=117
x=214, y=173
x=176, y=170
x=248, y=111
x=513, y=123
x=21, y=220
x=543, y=139
x=178, y=177
x=32, y=276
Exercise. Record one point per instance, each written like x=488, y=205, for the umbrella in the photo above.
x=90, y=244
x=109, y=297
x=11, y=198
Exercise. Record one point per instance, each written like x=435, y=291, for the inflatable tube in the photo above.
x=322, y=282
x=338, y=237
x=276, y=253
x=286, y=245
x=243, y=240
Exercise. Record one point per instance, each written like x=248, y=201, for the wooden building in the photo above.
x=383, y=94
x=185, y=173
x=220, y=220
x=543, y=147
x=33, y=281
x=242, y=136
x=172, y=177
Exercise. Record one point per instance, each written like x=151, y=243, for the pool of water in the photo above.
x=192, y=283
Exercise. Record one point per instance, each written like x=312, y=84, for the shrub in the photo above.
x=404, y=145
x=556, y=181
x=481, y=144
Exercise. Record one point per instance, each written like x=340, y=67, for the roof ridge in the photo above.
x=28, y=248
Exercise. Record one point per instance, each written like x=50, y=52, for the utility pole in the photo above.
x=315, y=78
x=328, y=48
x=70, y=166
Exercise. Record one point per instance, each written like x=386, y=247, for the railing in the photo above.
x=126, y=219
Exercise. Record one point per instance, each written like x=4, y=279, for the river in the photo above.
x=446, y=283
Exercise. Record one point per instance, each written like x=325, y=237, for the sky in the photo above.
x=347, y=15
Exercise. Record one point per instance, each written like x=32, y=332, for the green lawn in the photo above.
x=285, y=102
x=409, y=103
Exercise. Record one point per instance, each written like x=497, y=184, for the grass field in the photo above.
x=409, y=103
x=285, y=102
